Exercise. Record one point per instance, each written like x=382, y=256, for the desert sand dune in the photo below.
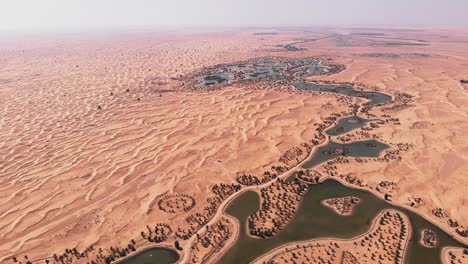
x=80, y=152
x=96, y=129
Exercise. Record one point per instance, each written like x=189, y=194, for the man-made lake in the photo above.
x=366, y=149
x=314, y=220
x=373, y=97
x=156, y=255
x=347, y=124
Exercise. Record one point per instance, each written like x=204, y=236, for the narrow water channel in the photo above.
x=373, y=97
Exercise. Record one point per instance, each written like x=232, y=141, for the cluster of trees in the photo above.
x=309, y=176
x=294, y=155
x=405, y=146
x=280, y=202
x=114, y=253
x=388, y=185
x=462, y=232
x=390, y=154
x=429, y=238
x=216, y=235
x=26, y=259
x=249, y=179
x=213, y=240
x=160, y=234
x=439, y=212
x=223, y=191
x=403, y=97
x=199, y=219
x=176, y=202
x=392, y=240
x=111, y=254
x=352, y=180
x=390, y=236
x=342, y=205
x=453, y=223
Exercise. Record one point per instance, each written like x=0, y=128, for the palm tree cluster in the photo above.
x=223, y=190
x=280, y=202
x=158, y=234
x=176, y=203
x=309, y=176
x=385, y=243
x=213, y=239
x=294, y=155
x=199, y=219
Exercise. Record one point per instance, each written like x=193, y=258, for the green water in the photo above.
x=373, y=97
x=156, y=255
x=313, y=220
x=366, y=148
x=347, y=124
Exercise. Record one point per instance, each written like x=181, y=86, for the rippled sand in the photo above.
x=96, y=128
x=84, y=161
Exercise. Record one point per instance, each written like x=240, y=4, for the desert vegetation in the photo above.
x=212, y=241
x=279, y=203
x=176, y=203
x=428, y=238
x=342, y=205
x=385, y=242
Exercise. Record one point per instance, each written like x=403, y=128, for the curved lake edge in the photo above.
x=404, y=206
x=401, y=208
x=143, y=250
x=370, y=228
x=376, y=194
x=333, y=209
x=342, y=89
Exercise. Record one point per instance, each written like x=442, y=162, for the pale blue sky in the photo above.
x=37, y=15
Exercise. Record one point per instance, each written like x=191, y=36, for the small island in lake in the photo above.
x=429, y=238
x=343, y=205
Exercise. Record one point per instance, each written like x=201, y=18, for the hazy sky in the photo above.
x=37, y=15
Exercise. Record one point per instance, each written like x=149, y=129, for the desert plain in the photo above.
x=98, y=130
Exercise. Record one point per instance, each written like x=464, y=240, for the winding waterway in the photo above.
x=348, y=124
x=373, y=97
x=314, y=220
x=366, y=148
